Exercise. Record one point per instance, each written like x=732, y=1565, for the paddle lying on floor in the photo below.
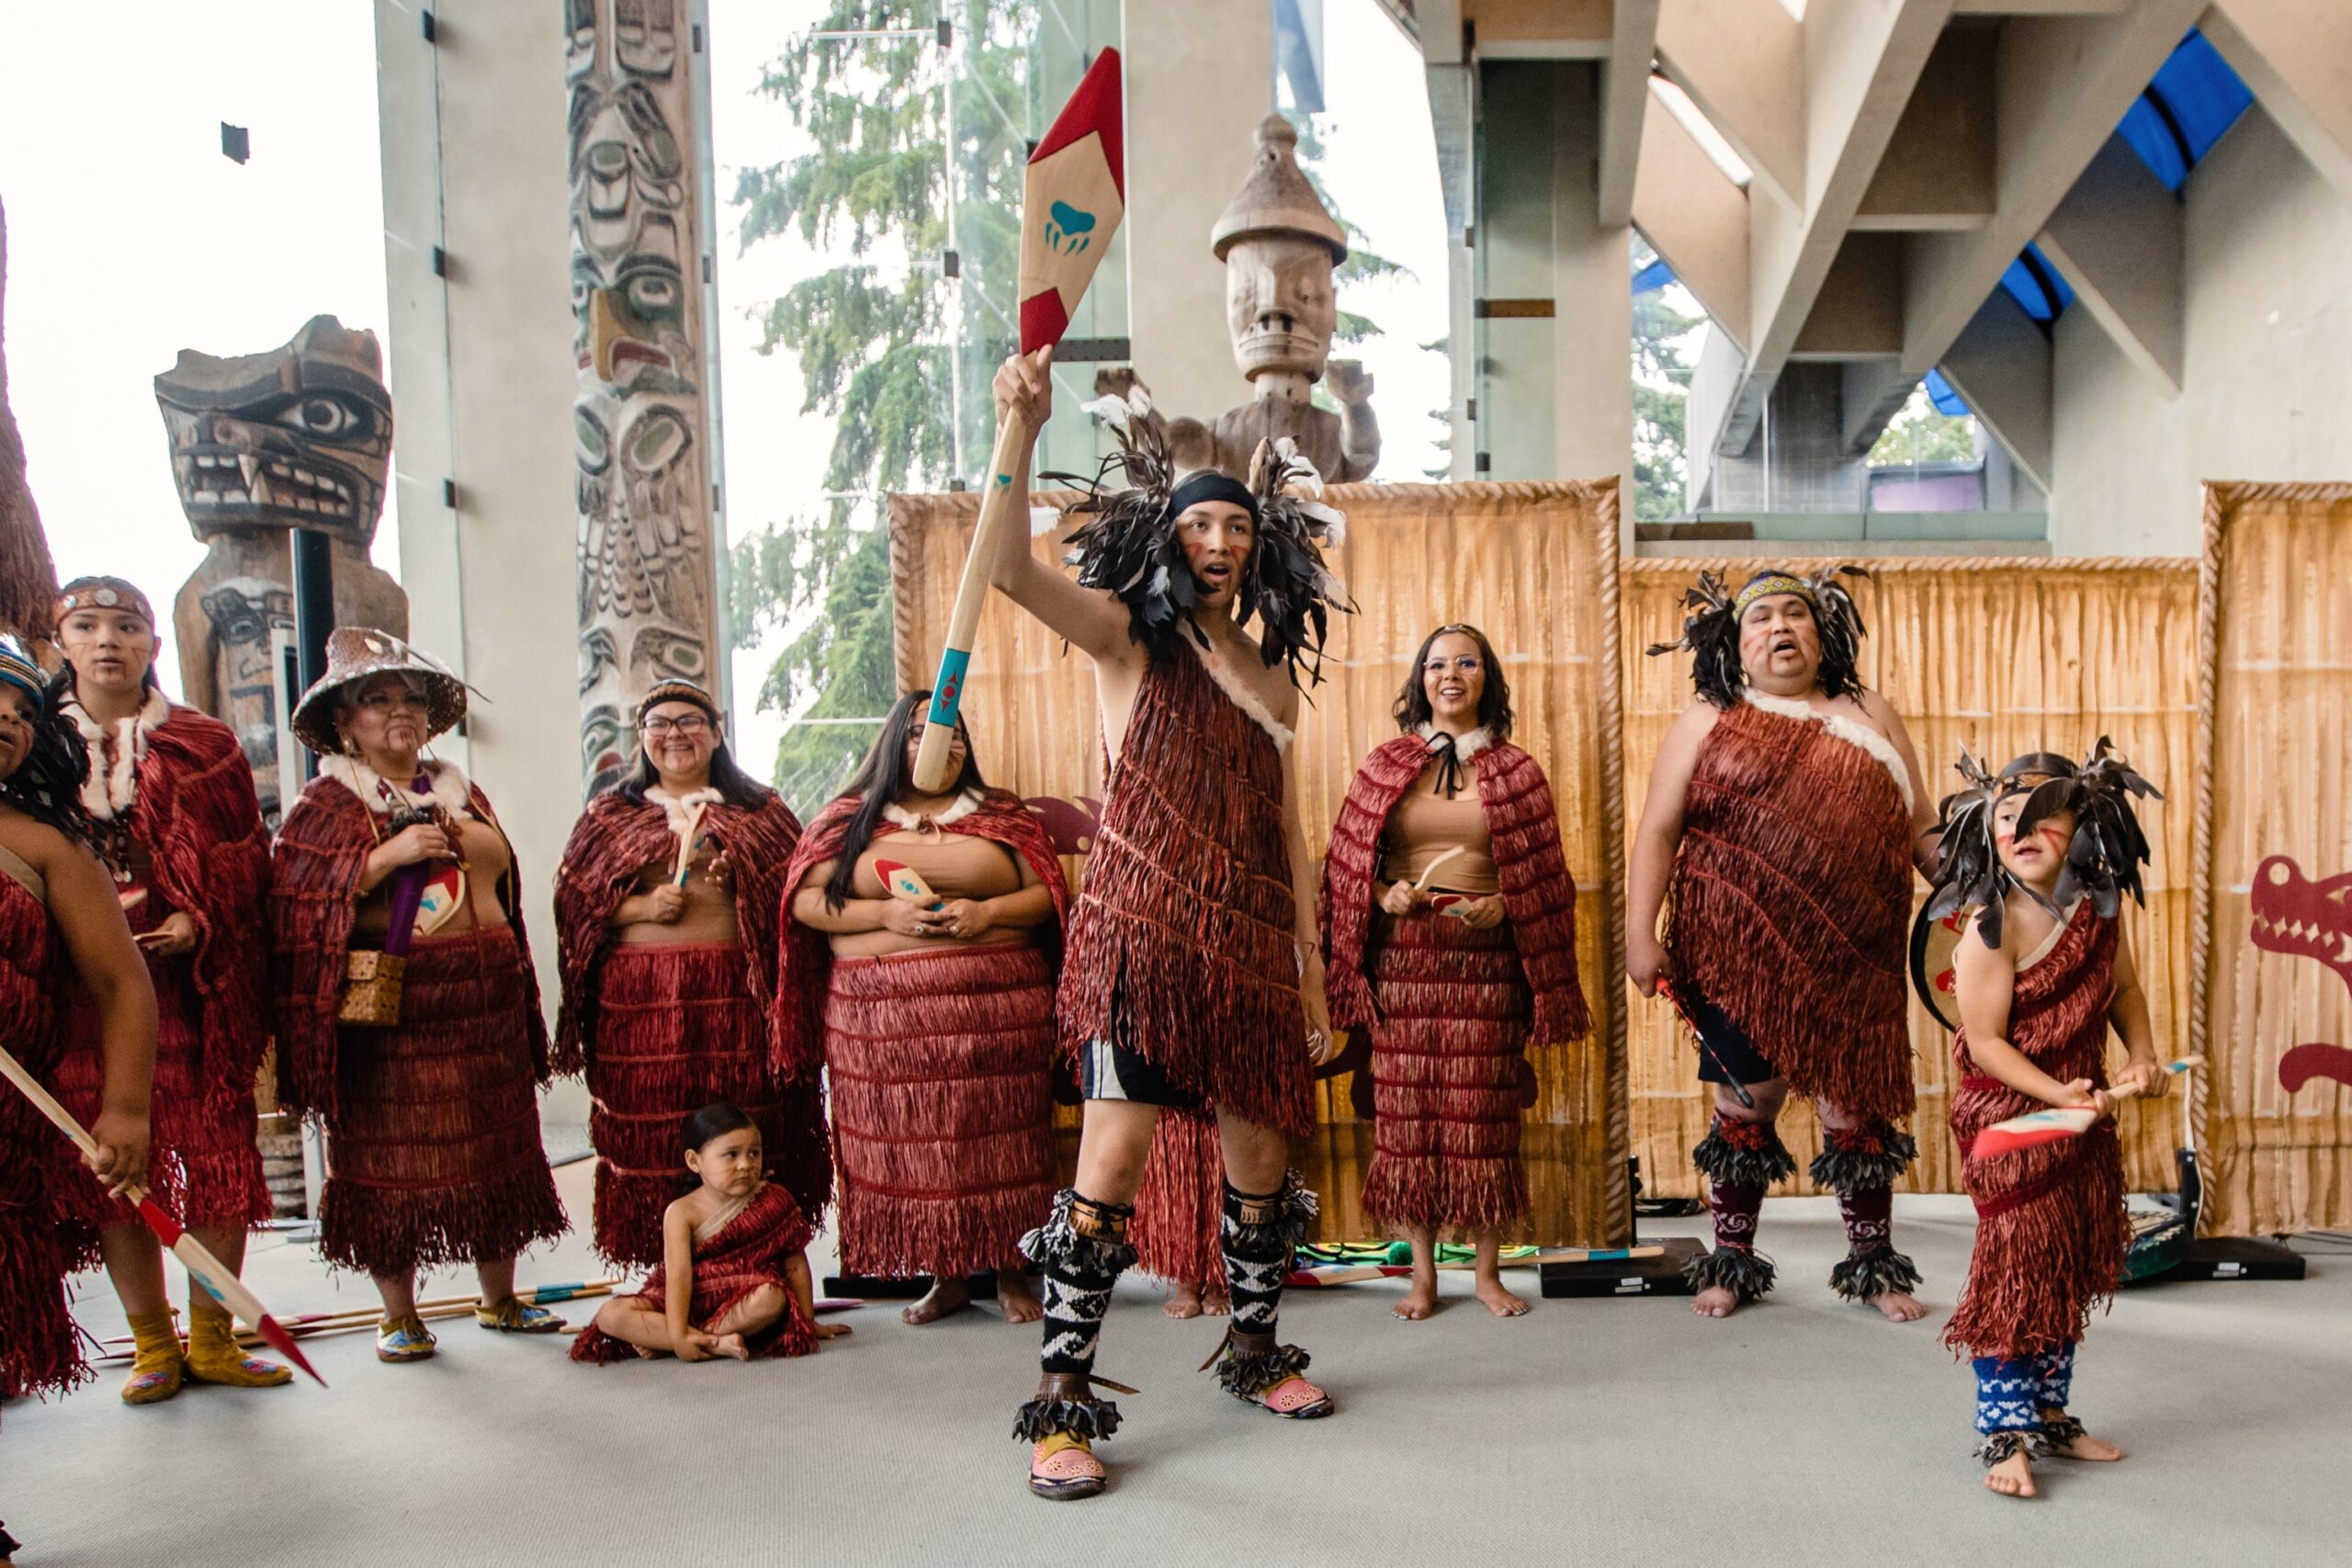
x=1351, y=1274
x=2038, y=1127
x=202, y=1267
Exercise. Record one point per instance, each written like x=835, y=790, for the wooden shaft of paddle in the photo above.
x=208, y=1268
x=2169, y=1069
x=999, y=505
x=686, y=845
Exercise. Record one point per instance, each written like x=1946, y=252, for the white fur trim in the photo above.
x=678, y=807
x=907, y=821
x=110, y=788
x=1852, y=731
x=1239, y=695
x=2049, y=943
x=1465, y=746
x=450, y=791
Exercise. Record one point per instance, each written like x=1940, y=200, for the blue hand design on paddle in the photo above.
x=1069, y=230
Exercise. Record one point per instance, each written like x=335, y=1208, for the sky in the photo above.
x=131, y=237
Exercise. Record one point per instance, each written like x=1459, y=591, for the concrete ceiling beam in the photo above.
x=1999, y=365
x=2042, y=7
x=1624, y=105
x=1539, y=29
x=2296, y=55
x=1696, y=218
x=2062, y=83
x=1858, y=310
x=1937, y=171
x=1863, y=63
x=1742, y=61
x=1873, y=390
x=2119, y=240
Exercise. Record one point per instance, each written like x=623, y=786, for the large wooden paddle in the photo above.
x=1071, y=202
x=207, y=1269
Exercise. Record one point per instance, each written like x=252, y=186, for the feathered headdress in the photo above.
x=2103, y=861
x=1126, y=539
x=1711, y=629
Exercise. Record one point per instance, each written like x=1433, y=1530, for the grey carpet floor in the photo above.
x=1600, y=1431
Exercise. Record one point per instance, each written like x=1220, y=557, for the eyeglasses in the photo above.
x=688, y=725
x=1468, y=664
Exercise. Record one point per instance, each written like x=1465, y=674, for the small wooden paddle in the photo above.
x=2054, y=1125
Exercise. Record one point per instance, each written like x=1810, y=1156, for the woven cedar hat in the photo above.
x=354, y=653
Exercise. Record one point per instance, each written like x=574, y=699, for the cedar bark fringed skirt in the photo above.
x=940, y=1070
x=676, y=1028
x=2051, y=1231
x=1182, y=1204
x=1446, y=1059
x=203, y=1166
x=39, y=1352
x=434, y=1154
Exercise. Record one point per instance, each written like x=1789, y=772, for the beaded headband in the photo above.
x=104, y=593
x=1769, y=586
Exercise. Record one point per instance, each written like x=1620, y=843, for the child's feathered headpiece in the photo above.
x=1711, y=630
x=1126, y=541
x=2102, y=862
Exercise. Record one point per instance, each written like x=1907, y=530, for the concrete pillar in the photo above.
x=1199, y=77
x=1592, y=335
x=474, y=151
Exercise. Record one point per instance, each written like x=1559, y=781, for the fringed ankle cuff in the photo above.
x=1743, y=1154
x=1744, y=1271
x=1249, y=1364
x=1998, y=1447
x=1862, y=1160
x=2053, y=1439
x=1089, y=1418
x=1867, y=1276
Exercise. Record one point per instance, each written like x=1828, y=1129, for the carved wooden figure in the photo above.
x=647, y=519
x=299, y=436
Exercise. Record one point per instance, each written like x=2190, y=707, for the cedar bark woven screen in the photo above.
x=1535, y=566
x=2001, y=657
x=2273, y=960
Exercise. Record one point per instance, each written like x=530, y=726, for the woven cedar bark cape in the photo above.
x=807, y=958
x=323, y=847
x=39, y=1352
x=1538, y=896
x=752, y=1249
x=198, y=821
x=670, y=1061
x=1791, y=901
x=1182, y=945
x=2051, y=1230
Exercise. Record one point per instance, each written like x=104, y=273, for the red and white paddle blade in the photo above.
x=1072, y=201
x=2030, y=1131
x=904, y=882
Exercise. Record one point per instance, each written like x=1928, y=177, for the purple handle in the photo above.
x=408, y=893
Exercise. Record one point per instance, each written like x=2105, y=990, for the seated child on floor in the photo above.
x=2041, y=853
x=733, y=1281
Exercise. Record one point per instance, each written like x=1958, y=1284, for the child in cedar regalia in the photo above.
x=2042, y=852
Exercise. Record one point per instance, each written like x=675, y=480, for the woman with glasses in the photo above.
x=1449, y=932
x=667, y=906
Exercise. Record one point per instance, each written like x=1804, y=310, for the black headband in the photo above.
x=1211, y=485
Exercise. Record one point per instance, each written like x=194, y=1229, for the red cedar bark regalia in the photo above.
x=173, y=814
x=1452, y=1009
x=1782, y=820
x=743, y=1251
x=1192, y=972
x=2043, y=852
x=938, y=1050
x=665, y=1018
x=433, y=1122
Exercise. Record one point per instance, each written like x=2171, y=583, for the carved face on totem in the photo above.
x=643, y=481
x=1280, y=305
x=243, y=611
x=298, y=438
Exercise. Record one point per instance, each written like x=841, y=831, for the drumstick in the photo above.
x=1431, y=870
x=686, y=841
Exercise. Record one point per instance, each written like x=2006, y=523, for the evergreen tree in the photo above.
x=1661, y=389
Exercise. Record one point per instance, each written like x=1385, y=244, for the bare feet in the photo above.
x=1901, y=1307
x=1420, y=1298
x=1013, y=1293
x=2082, y=1446
x=1191, y=1301
x=944, y=1296
x=730, y=1345
x=1499, y=1300
x=2013, y=1477
x=1717, y=1301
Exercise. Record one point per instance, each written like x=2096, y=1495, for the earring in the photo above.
x=351, y=747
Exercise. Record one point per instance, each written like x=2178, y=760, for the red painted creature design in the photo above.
x=2295, y=915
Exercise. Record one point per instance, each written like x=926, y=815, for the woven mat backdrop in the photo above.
x=1535, y=566
x=2001, y=657
x=2274, y=954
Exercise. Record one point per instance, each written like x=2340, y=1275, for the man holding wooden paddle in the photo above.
x=1190, y=976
